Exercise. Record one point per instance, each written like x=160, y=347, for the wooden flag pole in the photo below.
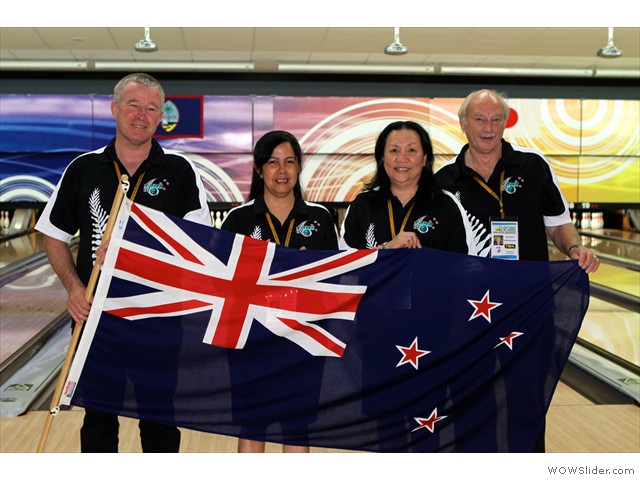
x=93, y=280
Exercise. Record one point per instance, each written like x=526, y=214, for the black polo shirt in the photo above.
x=530, y=192
x=81, y=202
x=313, y=225
x=438, y=223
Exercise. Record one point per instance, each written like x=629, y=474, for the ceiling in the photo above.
x=537, y=48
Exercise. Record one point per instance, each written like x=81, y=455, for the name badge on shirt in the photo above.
x=504, y=238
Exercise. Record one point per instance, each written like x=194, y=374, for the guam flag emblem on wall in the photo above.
x=183, y=117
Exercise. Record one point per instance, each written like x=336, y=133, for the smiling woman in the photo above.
x=276, y=212
x=402, y=206
x=280, y=175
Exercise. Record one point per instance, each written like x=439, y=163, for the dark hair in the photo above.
x=262, y=153
x=427, y=185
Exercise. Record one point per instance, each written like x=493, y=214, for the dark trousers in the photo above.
x=539, y=446
x=99, y=434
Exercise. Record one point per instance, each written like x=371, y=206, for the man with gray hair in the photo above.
x=81, y=202
x=509, y=192
x=496, y=179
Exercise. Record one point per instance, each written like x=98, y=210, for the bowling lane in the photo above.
x=609, y=339
x=617, y=278
x=30, y=299
x=28, y=305
x=613, y=323
x=613, y=329
x=611, y=234
x=16, y=249
x=616, y=249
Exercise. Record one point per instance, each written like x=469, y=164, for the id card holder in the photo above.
x=504, y=238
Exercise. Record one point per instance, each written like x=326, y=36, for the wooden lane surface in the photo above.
x=21, y=247
x=574, y=425
x=613, y=329
x=27, y=306
x=618, y=278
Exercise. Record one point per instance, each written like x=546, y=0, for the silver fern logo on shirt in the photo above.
x=99, y=218
x=256, y=233
x=424, y=224
x=153, y=188
x=306, y=230
x=370, y=236
x=511, y=186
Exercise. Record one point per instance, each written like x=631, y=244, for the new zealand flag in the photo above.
x=388, y=351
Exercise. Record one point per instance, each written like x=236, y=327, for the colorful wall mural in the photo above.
x=593, y=145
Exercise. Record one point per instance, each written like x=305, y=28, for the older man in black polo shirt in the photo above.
x=509, y=192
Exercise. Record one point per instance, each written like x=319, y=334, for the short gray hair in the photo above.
x=463, y=111
x=142, y=79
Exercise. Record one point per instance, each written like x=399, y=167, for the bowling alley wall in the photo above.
x=592, y=144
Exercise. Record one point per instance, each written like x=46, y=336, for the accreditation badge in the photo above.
x=504, y=238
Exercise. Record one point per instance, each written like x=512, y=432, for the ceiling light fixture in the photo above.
x=513, y=71
x=396, y=48
x=610, y=51
x=44, y=65
x=352, y=68
x=174, y=66
x=607, y=73
x=146, y=44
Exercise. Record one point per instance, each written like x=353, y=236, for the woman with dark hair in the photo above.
x=403, y=206
x=276, y=212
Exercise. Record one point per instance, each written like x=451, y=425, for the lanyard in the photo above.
x=392, y=223
x=135, y=190
x=273, y=230
x=492, y=193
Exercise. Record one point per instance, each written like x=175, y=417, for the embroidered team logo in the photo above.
x=510, y=186
x=153, y=188
x=424, y=224
x=307, y=230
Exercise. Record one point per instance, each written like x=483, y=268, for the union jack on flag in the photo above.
x=187, y=278
x=408, y=350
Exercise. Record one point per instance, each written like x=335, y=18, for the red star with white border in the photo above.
x=508, y=340
x=430, y=422
x=411, y=354
x=483, y=307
